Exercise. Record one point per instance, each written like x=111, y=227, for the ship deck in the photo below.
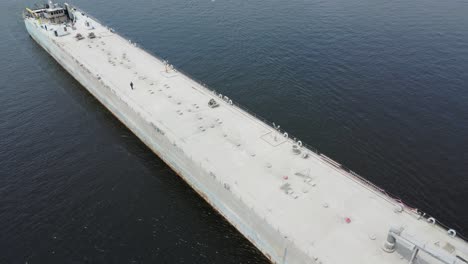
x=329, y=213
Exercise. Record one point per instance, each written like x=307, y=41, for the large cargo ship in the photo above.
x=293, y=203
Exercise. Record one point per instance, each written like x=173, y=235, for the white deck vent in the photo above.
x=212, y=103
x=296, y=149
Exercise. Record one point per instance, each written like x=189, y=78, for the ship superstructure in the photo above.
x=292, y=202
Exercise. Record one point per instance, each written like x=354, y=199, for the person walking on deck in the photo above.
x=131, y=85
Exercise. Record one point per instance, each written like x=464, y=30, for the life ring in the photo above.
x=431, y=220
x=452, y=233
x=299, y=143
x=285, y=135
x=220, y=95
x=230, y=102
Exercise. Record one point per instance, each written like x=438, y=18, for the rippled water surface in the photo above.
x=381, y=86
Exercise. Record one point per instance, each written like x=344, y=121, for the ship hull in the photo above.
x=274, y=245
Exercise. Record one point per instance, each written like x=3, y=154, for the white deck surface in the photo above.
x=242, y=151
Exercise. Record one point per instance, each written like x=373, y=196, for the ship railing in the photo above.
x=394, y=199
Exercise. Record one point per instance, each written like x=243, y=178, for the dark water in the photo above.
x=381, y=86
